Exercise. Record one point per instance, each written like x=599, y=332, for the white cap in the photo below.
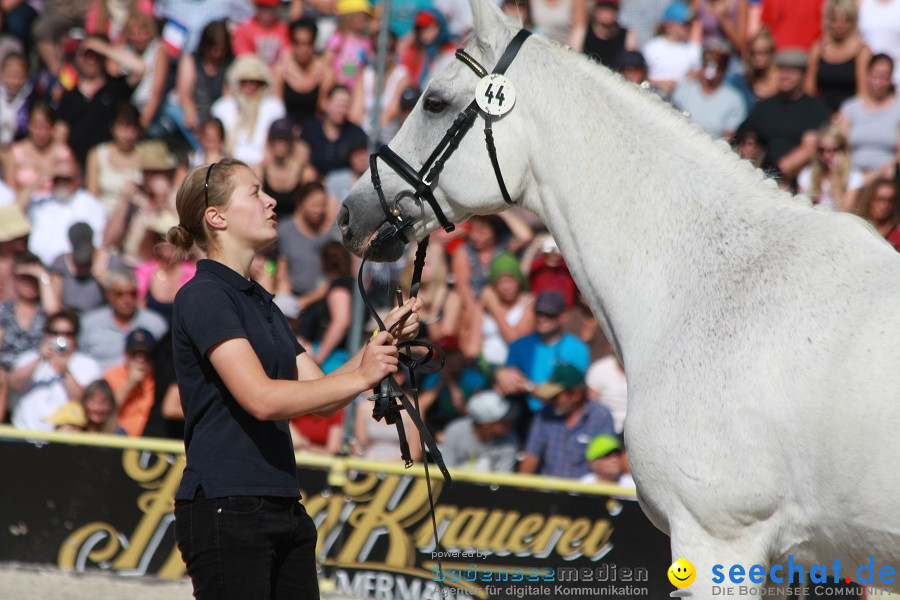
x=488, y=407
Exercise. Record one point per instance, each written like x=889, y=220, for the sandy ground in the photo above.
x=26, y=582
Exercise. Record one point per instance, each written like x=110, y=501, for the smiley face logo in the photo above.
x=682, y=573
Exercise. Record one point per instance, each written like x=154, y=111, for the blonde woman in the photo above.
x=831, y=179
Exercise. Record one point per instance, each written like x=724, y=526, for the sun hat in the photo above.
x=602, y=445
x=155, y=156
x=13, y=223
x=348, y=7
x=247, y=67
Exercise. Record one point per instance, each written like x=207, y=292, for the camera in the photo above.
x=61, y=344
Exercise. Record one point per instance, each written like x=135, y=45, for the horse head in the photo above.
x=380, y=222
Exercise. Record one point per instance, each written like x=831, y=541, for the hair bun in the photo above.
x=180, y=237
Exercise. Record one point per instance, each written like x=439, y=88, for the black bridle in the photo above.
x=389, y=398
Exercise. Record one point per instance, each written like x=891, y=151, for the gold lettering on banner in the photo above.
x=522, y=536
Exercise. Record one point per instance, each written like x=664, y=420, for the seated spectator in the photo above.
x=838, y=60
x=43, y=380
x=285, y=166
x=532, y=358
x=320, y=435
x=831, y=179
x=786, y=124
x=559, y=435
x=28, y=168
x=16, y=92
x=211, y=140
x=51, y=216
x=23, y=320
x=362, y=105
x=712, y=103
x=605, y=456
x=301, y=239
x=607, y=385
x=339, y=182
x=431, y=48
x=604, y=39
x=879, y=205
x=503, y=315
x=795, y=24
x=349, y=46
x=144, y=204
x=249, y=110
x=871, y=122
x=105, y=328
x=264, y=34
x=76, y=275
x=161, y=275
x=14, y=230
x=86, y=111
x=879, y=26
x=99, y=405
x=758, y=79
x=327, y=322
x=671, y=57
x=330, y=136
x=484, y=440
x=302, y=78
x=133, y=382
x=112, y=165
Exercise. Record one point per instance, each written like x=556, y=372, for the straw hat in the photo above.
x=155, y=156
x=248, y=67
x=13, y=223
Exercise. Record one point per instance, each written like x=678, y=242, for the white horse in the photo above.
x=760, y=336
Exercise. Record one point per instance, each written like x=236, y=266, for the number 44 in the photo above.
x=490, y=95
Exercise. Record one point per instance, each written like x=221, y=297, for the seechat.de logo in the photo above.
x=682, y=573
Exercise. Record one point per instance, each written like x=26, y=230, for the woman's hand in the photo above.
x=407, y=316
x=379, y=360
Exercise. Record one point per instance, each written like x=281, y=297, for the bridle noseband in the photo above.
x=425, y=179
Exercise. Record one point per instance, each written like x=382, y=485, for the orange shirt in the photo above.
x=134, y=413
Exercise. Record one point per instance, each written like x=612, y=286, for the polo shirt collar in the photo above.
x=226, y=274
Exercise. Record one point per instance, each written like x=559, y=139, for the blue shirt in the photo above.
x=537, y=359
x=229, y=452
x=560, y=449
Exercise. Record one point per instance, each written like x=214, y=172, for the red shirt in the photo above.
x=543, y=278
x=795, y=24
x=315, y=428
x=265, y=42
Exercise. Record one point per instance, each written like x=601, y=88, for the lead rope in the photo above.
x=389, y=391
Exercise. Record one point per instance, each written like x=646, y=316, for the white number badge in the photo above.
x=495, y=94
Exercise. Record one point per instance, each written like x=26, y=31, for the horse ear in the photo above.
x=488, y=22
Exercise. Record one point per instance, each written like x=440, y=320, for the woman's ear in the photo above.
x=215, y=219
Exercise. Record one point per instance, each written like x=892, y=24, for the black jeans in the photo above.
x=247, y=548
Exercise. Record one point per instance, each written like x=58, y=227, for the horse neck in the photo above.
x=639, y=201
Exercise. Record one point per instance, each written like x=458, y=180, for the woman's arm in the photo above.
x=92, y=174
x=126, y=59
x=157, y=87
x=862, y=66
x=357, y=112
x=809, y=83
x=171, y=406
x=578, y=26
x=185, y=80
x=340, y=309
x=269, y=399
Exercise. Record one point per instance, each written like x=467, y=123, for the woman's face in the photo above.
x=313, y=208
x=840, y=25
x=125, y=135
x=507, y=288
x=40, y=129
x=761, y=54
x=250, y=212
x=138, y=37
x=882, y=206
x=879, y=79
x=26, y=285
x=210, y=138
x=303, y=46
x=481, y=235
x=14, y=76
x=97, y=408
x=428, y=34
x=828, y=151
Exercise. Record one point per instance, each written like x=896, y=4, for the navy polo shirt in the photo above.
x=230, y=452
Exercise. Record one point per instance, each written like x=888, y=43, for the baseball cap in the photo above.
x=139, y=340
x=81, y=236
x=550, y=303
x=564, y=377
x=677, y=12
x=602, y=445
x=488, y=407
x=793, y=59
x=630, y=59
x=348, y=7
x=282, y=129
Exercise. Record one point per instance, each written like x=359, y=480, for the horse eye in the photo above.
x=434, y=104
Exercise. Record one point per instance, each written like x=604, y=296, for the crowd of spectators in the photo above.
x=105, y=104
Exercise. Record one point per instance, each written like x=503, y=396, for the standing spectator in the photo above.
x=831, y=179
x=431, y=48
x=605, y=456
x=86, y=111
x=871, y=121
x=133, y=383
x=712, y=103
x=112, y=165
x=105, y=328
x=300, y=242
x=607, y=385
x=880, y=206
x=330, y=137
x=795, y=24
x=249, y=110
x=76, y=275
x=879, y=26
x=264, y=34
x=562, y=20
x=23, y=319
x=759, y=79
x=671, y=57
x=43, y=380
x=838, y=60
x=484, y=440
x=302, y=78
x=52, y=216
x=349, y=47
x=285, y=166
x=362, y=105
x=786, y=124
x=15, y=98
x=604, y=39
x=28, y=168
x=560, y=433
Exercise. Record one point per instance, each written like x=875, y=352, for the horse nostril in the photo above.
x=343, y=218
